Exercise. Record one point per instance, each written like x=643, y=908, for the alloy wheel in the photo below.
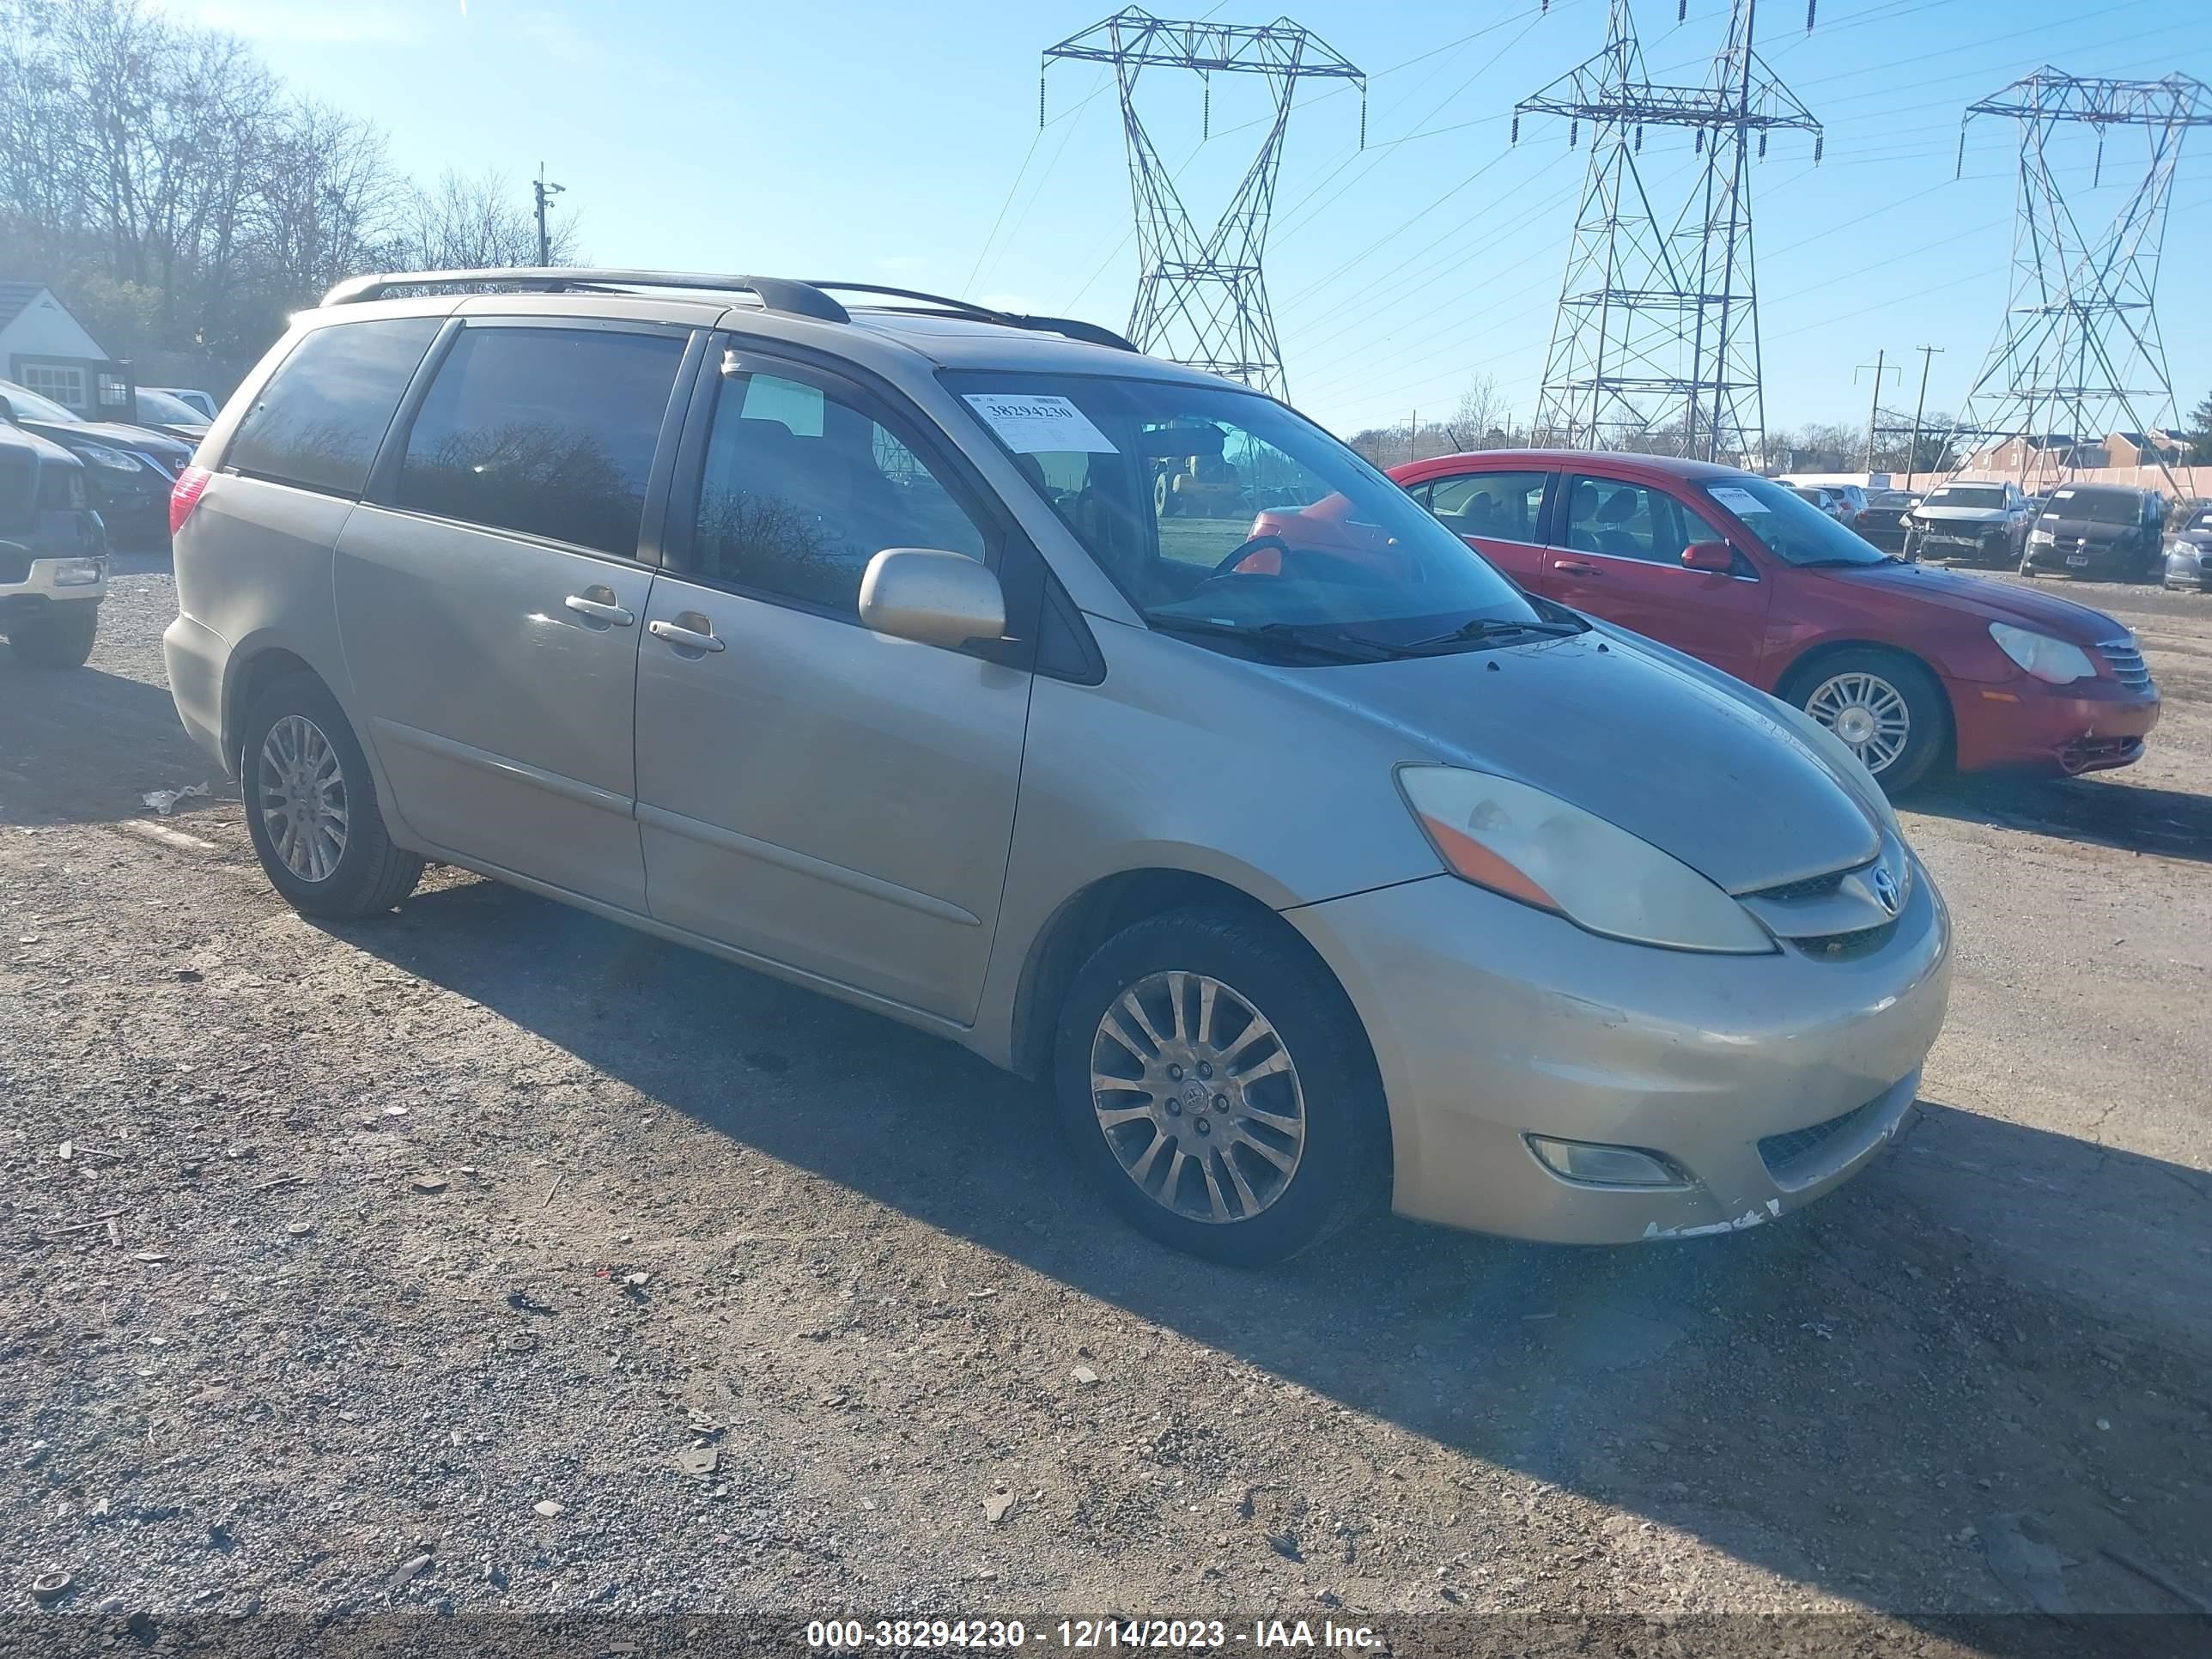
x=1197, y=1097
x=1868, y=713
x=301, y=789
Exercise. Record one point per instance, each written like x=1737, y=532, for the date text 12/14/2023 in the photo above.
x=1081, y=1635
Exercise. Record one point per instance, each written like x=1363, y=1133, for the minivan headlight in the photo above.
x=1518, y=840
x=2054, y=661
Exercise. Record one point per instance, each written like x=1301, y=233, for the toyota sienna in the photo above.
x=1315, y=868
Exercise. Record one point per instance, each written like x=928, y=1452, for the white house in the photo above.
x=44, y=348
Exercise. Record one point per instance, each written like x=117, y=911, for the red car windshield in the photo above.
x=1789, y=527
x=1222, y=512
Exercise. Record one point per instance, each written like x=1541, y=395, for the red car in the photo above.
x=1911, y=665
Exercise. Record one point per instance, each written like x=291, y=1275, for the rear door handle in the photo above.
x=1574, y=567
x=690, y=638
x=589, y=603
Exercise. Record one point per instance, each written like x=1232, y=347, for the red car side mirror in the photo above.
x=1717, y=558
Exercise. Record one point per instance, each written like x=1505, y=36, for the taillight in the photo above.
x=184, y=495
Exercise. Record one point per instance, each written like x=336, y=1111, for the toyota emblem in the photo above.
x=1884, y=889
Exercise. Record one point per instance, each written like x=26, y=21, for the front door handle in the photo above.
x=1574, y=567
x=701, y=638
x=599, y=603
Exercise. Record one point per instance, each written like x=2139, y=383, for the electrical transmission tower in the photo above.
x=1656, y=343
x=1201, y=300
x=2080, y=356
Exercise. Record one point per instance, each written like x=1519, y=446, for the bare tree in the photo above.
x=165, y=183
x=476, y=222
x=1481, y=421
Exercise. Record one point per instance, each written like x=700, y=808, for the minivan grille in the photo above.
x=1797, y=1151
x=13, y=567
x=2127, y=664
x=1810, y=887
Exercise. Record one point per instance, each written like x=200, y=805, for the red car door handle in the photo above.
x=1574, y=567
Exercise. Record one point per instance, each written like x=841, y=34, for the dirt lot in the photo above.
x=488, y=1256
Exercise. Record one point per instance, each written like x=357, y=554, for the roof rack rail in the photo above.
x=781, y=294
x=774, y=293
x=1072, y=328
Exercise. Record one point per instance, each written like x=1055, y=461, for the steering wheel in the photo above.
x=1243, y=550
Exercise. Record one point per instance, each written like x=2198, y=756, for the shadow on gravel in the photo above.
x=2133, y=817
x=1848, y=1398
x=81, y=745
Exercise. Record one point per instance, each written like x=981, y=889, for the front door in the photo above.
x=1499, y=514
x=809, y=792
x=490, y=598
x=1617, y=554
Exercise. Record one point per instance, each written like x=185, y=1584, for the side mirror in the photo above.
x=1717, y=558
x=932, y=597
x=7, y=411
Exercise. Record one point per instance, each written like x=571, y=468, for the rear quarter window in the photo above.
x=321, y=416
x=548, y=431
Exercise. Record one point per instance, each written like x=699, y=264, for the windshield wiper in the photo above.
x=1337, y=647
x=1493, y=628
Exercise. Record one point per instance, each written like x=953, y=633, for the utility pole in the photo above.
x=1881, y=366
x=1414, y=437
x=543, y=193
x=1912, y=453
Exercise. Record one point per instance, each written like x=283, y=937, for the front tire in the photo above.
x=1885, y=708
x=311, y=806
x=1215, y=1082
x=59, y=636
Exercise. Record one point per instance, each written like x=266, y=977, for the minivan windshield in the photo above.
x=1223, y=515
x=1791, y=527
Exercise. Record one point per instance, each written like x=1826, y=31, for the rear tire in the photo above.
x=60, y=636
x=1860, y=691
x=311, y=806
x=1247, y=1126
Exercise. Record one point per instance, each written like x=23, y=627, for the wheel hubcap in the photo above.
x=302, y=796
x=1197, y=1098
x=1868, y=713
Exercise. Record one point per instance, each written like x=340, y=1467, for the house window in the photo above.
x=64, y=384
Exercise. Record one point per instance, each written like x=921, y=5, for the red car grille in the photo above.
x=2127, y=664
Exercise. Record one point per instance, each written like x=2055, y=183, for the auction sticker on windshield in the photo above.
x=1041, y=426
x=1737, y=500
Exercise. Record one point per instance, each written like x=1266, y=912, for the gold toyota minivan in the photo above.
x=877, y=648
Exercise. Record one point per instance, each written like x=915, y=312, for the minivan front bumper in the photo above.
x=1766, y=1080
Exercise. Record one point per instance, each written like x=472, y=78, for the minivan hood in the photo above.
x=1960, y=514
x=1978, y=596
x=1700, y=771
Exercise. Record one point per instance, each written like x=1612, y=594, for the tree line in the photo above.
x=1481, y=420
x=177, y=196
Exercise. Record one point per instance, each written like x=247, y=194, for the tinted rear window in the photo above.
x=317, y=421
x=548, y=431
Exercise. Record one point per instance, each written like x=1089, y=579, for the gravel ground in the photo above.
x=490, y=1257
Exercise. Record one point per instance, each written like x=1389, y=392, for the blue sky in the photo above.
x=898, y=142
